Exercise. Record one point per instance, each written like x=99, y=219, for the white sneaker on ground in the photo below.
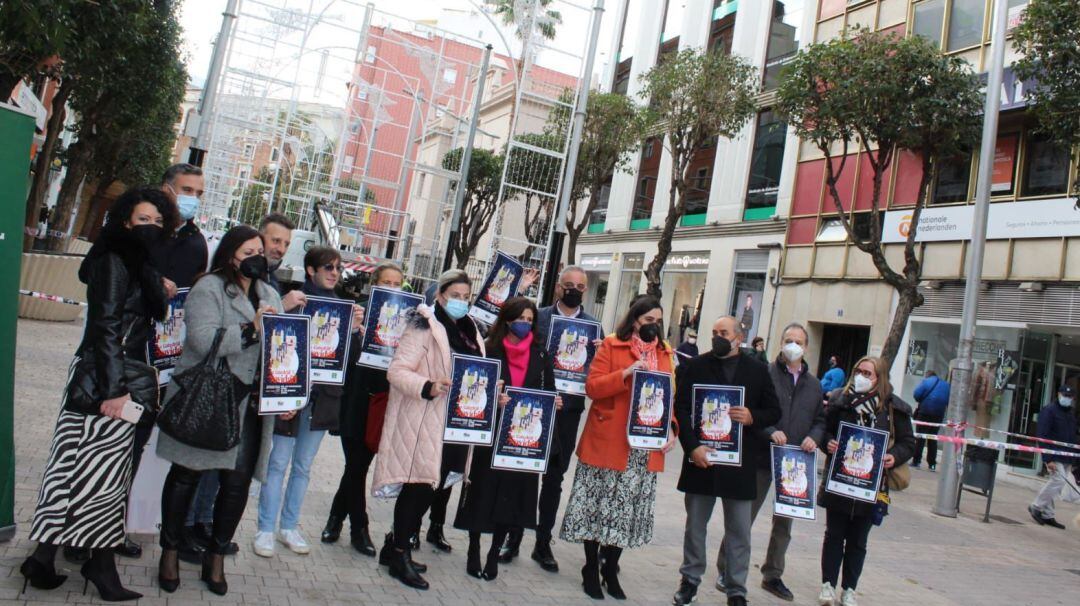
x=827, y=596
x=264, y=544
x=847, y=598
x=294, y=541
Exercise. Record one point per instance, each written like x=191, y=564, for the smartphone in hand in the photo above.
x=131, y=412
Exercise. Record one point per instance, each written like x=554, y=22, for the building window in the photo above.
x=1005, y=164
x=647, y=149
x=766, y=161
x=369, y=57
x=954, y=176
x=628, y=38
x=643, y=201
x=449, y=75
x=929, y=17
x=1046, y=167
x=860, y=225
x=783, y=39
x=832, y=230
x=965, y=23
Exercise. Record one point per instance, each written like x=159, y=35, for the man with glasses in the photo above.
x=569, y=292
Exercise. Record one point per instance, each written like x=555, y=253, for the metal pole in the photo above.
x=558, y=234
x=960, y=392
x=466, y=158
x=197, y=150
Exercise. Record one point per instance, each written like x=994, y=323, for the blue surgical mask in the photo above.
x=188, y=206
x=520, y=328
x=1065, y=401
x=456, y=308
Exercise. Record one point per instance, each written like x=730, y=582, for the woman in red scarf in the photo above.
x=495, y=500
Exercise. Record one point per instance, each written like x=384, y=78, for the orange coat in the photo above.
x=603, y=441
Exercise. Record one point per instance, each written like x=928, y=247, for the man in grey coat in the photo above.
x=802, y=422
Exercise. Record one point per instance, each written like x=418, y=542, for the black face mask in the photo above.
x=649, y=332
x=148, y=233
x=721, y=347
x=571, y=298
x=253, y=267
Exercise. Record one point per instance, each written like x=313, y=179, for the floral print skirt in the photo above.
x=612, y=507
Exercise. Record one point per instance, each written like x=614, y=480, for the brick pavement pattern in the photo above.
x=914, y=558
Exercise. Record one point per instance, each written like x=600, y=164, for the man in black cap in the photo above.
x=1057, y=422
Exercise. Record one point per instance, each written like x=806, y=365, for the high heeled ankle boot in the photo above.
x=590, y=572
x=332, y=530
x=491, y=566
x=168, y=576
x=213, y=573
x=361, y=542
x=435, y=537
x=472, y=559
x=39, y=570
x=510, y=550
x=401, y=568
x=100, y=570
x=610, y=572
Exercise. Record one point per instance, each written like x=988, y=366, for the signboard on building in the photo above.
x=1057, y=218
x=687, y=261
x=596, y=262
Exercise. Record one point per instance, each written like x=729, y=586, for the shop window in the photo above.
x=783, y=39
x=1046, y=167
x=629, y=284
x=766, y=162
x=748, y=290
x=953, y=179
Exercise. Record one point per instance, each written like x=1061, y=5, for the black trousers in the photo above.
x=931, y=445
x=351, y=497
x=413, y=501
x=566, y=427
x=844, y=547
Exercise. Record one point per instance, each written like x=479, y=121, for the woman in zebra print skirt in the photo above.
x=84, y=491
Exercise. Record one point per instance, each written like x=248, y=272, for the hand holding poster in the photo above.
x=711, y=417
x=857, y=464
x=650, y=410
x=331, y=332
x=523, y=440
x=794, y=474
x=285, y=380
x=387, y=313
x=165, y=346
x=501, y=284
x=570, y=343
x=472, y=401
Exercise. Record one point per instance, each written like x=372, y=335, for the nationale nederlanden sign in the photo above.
x=1054, y=218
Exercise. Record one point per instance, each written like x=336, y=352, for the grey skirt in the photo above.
x=612, y=507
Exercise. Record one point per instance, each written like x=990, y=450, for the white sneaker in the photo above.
x=294, y=541
x=848, y=598
x=827, y=596
x=264, y=544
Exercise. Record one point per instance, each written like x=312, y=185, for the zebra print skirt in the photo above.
x=84, y=491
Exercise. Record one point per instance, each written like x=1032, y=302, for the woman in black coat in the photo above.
x=83, y=499
x=867, y=400
x=496, y=500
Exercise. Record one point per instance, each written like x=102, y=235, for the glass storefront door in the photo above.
x=629, y=285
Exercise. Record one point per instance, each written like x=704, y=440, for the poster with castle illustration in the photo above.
x=856, y=468
x=794, y=473
x=384, y=322
x=163, y=349
x=501, y=284
x=570, y=344
x=711, y=418
x=523, y=439
x=472, y=400
x=285, y=377
x=331, y=332
x=649, y=420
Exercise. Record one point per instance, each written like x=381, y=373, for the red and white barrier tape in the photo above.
x=996, y=445
x=53, y=298
x=962, y=426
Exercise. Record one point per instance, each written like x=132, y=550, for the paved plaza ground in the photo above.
x=915, y=557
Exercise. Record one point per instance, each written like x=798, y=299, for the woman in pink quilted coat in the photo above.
x=410, y=460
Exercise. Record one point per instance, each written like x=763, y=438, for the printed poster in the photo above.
x=711, y=418
x=331, y=332
x=794, y=475
x=384, y=321
x=650, y=410
x=570, y=343
x=857, y=465
x=164, y=348
x=285, y=380
x=523, y=440
x=916, y=360
x=472, y=400
x=501, y=284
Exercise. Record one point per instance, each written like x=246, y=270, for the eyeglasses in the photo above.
x=572, y=286
x=333, y=267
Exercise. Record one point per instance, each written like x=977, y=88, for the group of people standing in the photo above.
x=395, y=417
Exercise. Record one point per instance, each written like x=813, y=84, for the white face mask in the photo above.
x=793, y=352
x=862, y=384
x=1064, y=401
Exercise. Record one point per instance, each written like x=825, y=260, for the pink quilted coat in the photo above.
x=410, y=449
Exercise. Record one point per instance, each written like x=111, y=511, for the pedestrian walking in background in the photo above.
x=688, y=348
x=834, y=378
x=1057, y=422
x=757, y=350
x=932, y=395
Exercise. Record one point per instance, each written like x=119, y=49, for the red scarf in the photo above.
x=646, y=352
x=517, y=358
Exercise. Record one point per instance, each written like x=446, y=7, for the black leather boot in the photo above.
x=130, y=549
x=543, y=556
x=590, y=573
x=401, y=568
x=610, y=572
x=332, y=532
x=436, y=538
x=100, y=570
x=472, y=559
x=512, y=547
x=386, y=554
x=39, y=570
x=361, y=542
x=491, y=566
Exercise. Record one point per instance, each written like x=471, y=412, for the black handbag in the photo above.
x=83, y=395
x=205, y=411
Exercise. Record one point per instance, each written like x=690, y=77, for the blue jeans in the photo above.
x=202, y=506
x=299, y=452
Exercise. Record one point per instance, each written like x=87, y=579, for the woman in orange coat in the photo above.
x=611, y=503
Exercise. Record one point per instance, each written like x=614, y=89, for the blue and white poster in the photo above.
x=649, y=420
x=285, y=380
x=711, y=417
x=501, y=284
x=331, y=332
x=523, y=440
x=794, y=473
x=163, y=349
x=570, y=344
x=856, y=467
x=472, y=400
x=384, y=323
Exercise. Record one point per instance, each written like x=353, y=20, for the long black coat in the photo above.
x=725, y=481
x=183, y=257
x=499, y=496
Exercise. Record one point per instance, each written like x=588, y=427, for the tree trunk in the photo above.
x=663, y=245
x=8, y=82
x=43, y=163
x=92, y=214
x=571, y=247
x=910, y=298
x=66, y=201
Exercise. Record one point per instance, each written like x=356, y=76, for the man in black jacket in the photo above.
x=736, y=485
x=802, y=424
